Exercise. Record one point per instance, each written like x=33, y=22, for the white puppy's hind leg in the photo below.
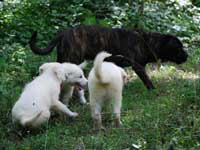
x=96, y=115
x=29, y=120
x=117, y=110
x=63, y=108
x=37, y=120
x=44, y=117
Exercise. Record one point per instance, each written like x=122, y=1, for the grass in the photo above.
x=165, y=118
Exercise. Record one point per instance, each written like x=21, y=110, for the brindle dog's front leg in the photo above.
x=140, y=71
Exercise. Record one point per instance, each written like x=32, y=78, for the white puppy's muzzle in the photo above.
x=82, y=84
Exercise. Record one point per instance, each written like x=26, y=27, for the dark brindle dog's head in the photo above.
x=171, y=49
x=152, y=47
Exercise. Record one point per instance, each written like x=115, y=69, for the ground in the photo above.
x=163, y=118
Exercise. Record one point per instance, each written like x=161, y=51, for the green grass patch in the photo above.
x=159, y=119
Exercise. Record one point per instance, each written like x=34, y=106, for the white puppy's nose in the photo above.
x=84, y=83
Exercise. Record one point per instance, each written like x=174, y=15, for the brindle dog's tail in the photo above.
x=43, y=51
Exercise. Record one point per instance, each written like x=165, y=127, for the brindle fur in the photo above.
x=137, y=47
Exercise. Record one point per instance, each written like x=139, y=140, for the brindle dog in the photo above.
x=136, y=46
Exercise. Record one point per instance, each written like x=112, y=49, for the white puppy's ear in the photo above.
x=43, y=68
x=60, y=74
x=40, y=70
x=83, y=64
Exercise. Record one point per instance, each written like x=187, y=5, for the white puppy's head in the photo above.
x=74, y=75
x=54, y=68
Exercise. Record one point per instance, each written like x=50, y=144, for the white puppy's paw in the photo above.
x=74, y=114
x=83, y=100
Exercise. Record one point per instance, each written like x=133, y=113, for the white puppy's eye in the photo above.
x=80, y=76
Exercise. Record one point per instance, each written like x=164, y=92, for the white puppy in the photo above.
x=105, y=83
x=42, y=94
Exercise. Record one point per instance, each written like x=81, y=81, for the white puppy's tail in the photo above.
x=98, y=65
x=28, y=121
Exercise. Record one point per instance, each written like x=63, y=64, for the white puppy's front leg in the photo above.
x=63, y=108
x=81, y=96
x=67, y=94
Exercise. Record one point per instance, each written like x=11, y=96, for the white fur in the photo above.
x=42, y=94
x=105, y=83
